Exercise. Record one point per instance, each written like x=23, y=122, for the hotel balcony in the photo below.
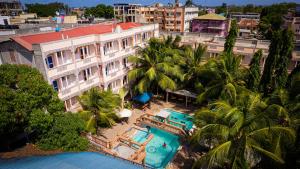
x=61, y=70
x=90, y=83
x=68, y=92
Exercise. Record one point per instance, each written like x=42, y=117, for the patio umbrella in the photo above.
x=143, y=98
x=125, y=113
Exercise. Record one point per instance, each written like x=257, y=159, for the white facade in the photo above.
x=74, y=65
x=4, y=20
x=189, y=14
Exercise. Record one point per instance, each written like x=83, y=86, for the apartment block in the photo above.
x=212, y=24
x=292, y=21
x=127, y=12
x=173, y=17
x=239, y=16
x=10, y=7
x=77, y=59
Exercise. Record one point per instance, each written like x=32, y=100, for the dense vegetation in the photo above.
x=100, y=11
x=248, y=119
x=99, y=109
x=44, y=10
x=29, y=105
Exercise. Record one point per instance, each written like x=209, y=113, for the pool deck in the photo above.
x=155, y=106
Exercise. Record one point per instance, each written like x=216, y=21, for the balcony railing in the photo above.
x=57, y=71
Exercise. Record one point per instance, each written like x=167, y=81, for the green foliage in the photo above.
x=284, y=59
x=44, y=10
x=241, y=132
x=99, y=109
x=254, y=71
x=34, y=107
x=19, y=97
x=101, y=11
x=231, y=37
x=64, y=134
x=275, y=73
x=157, y=65
x=271, y=18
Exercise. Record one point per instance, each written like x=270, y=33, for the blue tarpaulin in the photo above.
x=143, y=98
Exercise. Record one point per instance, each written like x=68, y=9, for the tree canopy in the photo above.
x=101, y=11
x=28, y=104
x=44, y=10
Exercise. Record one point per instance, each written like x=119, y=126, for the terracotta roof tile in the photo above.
x=28, y=40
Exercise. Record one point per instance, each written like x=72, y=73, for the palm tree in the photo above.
x=240, y=134
x=220, y=76
x=99, y=108
x=122, y=94
x=155, y=67
x=193, y=65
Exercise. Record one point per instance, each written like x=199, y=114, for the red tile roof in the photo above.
x=28, y=40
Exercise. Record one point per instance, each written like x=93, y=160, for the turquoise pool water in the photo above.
x=83, y=160
x=158, y=156
x=181, y=118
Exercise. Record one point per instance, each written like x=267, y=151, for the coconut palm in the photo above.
x=155, y=67
x=193, y=65
x=240, y=134
x=99, y=108
x=122, y=94
x=220, y=76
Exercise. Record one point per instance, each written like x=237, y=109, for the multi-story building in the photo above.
x=10, y=7
x=212, y=24
x=127, y=12
x=248, y=27
x=292, y=21
x=172, y=17
x=239, y=15
x=75, y=60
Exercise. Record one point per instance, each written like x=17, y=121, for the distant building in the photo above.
x=248, y=27
x=239, y=16
x=77, y=59
x=127, y=12
x=292, y=21
x=173, y=17
x=212, y=24
x=10, y=7
x=78, y=11
x=4, y=20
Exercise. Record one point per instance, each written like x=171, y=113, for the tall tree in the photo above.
x=155, y=66
x=266, y=82
x=241, y=133
x=281, y=70
x=254, y=71
x=20, y=96
x=99, y=108
x=231, y=38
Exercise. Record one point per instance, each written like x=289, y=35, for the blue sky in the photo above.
x=79, y=3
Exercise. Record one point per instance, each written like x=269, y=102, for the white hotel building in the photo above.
x=75, y=60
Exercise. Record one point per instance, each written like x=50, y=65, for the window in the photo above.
x=49, y=62
x=12, y=56
x=125, y=62
x=108, y=47
x=145, y=36
x=124, y=43
x=83, y=52
x=55, y=85
x=86, y=74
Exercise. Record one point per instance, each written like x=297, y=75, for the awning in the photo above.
x=163, y=113
x=125, y=113
x=143, y=98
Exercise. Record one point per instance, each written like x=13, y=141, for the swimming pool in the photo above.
x=158, y=156
x=185, y=119
x=81, y=160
